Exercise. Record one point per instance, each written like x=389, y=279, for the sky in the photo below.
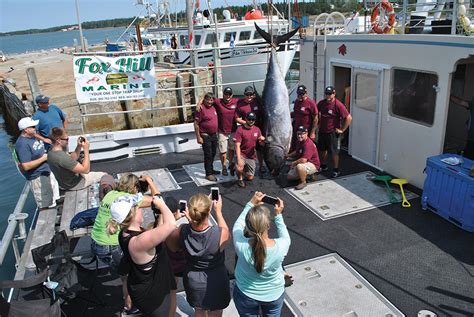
x=18, y=15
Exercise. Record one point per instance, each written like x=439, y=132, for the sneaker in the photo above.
x=232, y=169
x=241, y=183
x=322, y=168
x=300, y=186
x=131, y=312
x=224, y=171
x=211, y=178
x=335, y=174
x=215, y=172
x=312, y=178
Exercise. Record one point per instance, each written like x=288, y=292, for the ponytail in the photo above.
x=256, y=223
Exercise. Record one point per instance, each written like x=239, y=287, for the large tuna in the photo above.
x=277, y=121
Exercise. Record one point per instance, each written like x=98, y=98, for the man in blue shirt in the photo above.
x=49, y=116
x=31, y=157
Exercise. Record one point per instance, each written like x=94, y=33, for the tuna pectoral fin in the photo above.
x=278, y=39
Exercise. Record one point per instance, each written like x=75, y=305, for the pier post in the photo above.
x=217, y=63
x=33, y=82
x=180, y=98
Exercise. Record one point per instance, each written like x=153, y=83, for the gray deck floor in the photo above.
x=414, y=258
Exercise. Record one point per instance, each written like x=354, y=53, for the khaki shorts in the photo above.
x=249, y=167
x=309, y=168
x=45, y=190
x=88, y=179
x=225, y=142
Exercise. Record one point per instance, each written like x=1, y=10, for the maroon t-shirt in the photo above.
x=225, y=114
x=248, y=138
x=206, y=119
x=331, y=115
x=307, y=149
x=304, y=112
x=243, y=108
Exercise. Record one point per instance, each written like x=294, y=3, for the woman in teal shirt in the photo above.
x=260, y=282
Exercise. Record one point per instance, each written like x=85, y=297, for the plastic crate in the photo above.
x=449, y=191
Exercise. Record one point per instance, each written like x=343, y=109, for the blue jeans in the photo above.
x=247, y=306
x=109, y=254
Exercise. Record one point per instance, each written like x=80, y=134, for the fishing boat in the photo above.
x=354, y=252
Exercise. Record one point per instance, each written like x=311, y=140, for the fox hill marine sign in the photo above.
x=102, y=78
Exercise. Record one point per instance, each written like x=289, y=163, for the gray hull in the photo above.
x=277, y=120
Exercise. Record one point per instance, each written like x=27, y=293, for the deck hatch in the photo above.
x=198, y=175
x=161, y=177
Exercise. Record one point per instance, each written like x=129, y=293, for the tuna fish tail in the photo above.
x=277, y=40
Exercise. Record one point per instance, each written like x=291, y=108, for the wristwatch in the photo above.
x=157, y=196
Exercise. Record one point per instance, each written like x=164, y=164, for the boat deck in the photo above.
x=414, y=258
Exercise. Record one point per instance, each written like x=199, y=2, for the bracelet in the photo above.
x=157, y=196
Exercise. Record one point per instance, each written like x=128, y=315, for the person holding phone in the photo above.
x=205, y=276
x=246, y=138
x=150, y=278
x=306, y=157
x=259, y=275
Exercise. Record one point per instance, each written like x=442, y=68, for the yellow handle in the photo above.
x=405, y=202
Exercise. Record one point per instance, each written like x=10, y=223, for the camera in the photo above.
x=142, y=186
x=215, y=193
x=82, y=139
x=270, y=200
x=182, y=206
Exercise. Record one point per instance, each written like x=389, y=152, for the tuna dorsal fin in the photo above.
x=277, y=40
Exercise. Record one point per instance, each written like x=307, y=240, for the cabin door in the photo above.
x=364, y=108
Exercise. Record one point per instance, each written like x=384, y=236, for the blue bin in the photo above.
x=449, y=191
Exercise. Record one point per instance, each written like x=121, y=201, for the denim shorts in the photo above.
x=109, y=254
x=250, y=307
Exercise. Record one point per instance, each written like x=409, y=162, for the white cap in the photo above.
x=121, y=206
x=27, y=122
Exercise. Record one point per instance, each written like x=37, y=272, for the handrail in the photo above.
x=12, y=223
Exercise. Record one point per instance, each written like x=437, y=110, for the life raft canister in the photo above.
x=387, y=6
x=254, y=14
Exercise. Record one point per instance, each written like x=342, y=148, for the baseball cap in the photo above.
x=329, y=90
x=42, y=99
x=248, y=90
x=227, y=91
x=251, y=116
x=27, y=122
x=301, y=129
x=301, y=90
x=121, y=206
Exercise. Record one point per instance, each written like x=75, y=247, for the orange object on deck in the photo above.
x=254, y=14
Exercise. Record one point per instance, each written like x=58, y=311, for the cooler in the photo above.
x=449, y=190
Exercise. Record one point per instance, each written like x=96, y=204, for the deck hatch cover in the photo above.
x=161, y=177
x=198, y=175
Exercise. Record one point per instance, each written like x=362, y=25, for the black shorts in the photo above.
x=329, y=142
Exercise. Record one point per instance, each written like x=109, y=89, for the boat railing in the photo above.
x=424, y=16
x=16, y=219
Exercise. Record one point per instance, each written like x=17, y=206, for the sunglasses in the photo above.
x=329, y=94
x=227, y=94
x=65, y=139
x=249, y=94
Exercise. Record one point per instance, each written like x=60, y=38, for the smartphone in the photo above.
x=143, y=186
x=81, y=139
x=182, y=205
x=270, y=200
x=215, y=193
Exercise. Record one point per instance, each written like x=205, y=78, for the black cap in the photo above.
x=251, y=116
x=227, y=91
x=249, y=89
x=301, y=90
x=329, y=90
x=301, y=129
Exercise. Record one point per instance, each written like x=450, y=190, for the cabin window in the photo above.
x=197, y=39
x=210, y=38
x=414, y=95
x=244, y=35
x=229, y=35
x=365, y=91
x=184, y=40
x=256, y=35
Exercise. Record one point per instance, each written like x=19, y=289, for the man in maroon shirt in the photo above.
x=334, y=119
x=225, y=108
x=305, y=113
x=205, y=126
x=306, y=158
x=251, y=104
x=246, y=138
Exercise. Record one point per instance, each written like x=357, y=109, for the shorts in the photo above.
x=42, y=190
x=88, y=179
x=309, y=167
x=249, y=167
x=329, y=142
x=225, y=141
x=111, y=255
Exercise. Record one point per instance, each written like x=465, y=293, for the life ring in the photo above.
x=387, y=6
